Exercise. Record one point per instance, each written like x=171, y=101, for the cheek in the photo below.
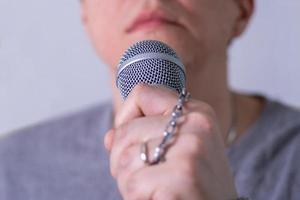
x=209, y=22
x=104, y=29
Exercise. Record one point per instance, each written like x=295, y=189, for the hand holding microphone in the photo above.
x=193, y=164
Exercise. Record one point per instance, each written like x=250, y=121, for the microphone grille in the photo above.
x=147, y=46
x=151, y=62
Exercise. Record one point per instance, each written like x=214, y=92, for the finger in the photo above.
x=128, y=163
x=130, y=159
x=131, y=162
x=146, y=100
x=140, y=181
x=108, y=139
x=188, y=144
x=188, y=149
x=151, y=183
x=135, y=132
x=153, y=127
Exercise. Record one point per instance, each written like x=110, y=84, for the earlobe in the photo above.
x=246, y=9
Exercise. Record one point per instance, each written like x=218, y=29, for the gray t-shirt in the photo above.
x=65, y=159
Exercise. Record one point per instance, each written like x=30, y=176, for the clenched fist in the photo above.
x=195, y=165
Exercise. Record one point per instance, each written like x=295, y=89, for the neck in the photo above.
x=209, y=84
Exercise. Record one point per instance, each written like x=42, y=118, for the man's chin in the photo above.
x=171, y=37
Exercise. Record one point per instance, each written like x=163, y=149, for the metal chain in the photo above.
x=169, y=131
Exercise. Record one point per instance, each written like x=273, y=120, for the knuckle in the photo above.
x=124, y=159
x=122, y=134
x=121, y=131
x=119, y=153
x=139, y=89
x=133, y=190
x=193, y=143
x=208, y=109
x=113, y=171
x=186, y=172
x=200, y=121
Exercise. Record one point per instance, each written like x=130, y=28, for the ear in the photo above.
x=83, y=9
x=246, y=9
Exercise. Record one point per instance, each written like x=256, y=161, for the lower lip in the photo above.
x=151, y=25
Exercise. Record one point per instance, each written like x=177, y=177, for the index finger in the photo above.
x=146, y=100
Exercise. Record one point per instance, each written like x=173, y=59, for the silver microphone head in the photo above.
x=151, y=62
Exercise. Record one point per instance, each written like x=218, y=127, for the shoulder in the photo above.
x=282, y=113
x=281, y=124
x=277, y=132
x=276, y=120
x=62, y=127
x=278, y=154
x=265, y=160
x=56, y=154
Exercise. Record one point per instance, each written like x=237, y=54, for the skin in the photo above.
x=196, y=166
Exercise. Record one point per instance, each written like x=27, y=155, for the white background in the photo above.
x=47, y=67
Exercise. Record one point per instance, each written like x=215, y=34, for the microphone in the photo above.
x=150, y=62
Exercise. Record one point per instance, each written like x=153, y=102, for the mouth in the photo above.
x=149, y=21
